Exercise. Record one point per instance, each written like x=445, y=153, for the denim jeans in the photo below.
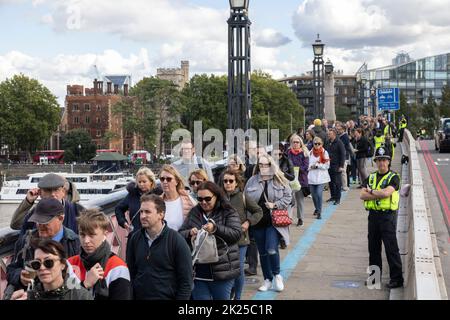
x=239, y=282
x=316, y=193
x=212, y=290
x=268, y=240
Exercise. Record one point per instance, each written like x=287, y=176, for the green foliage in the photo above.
x=430, y=114
x=29, y=114
x=72, y=140
x=444, y=107
x=156, y=106
x=206, y=101
x=343, y=113
x=274, y=99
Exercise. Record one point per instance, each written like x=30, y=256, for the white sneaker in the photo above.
x=266, y=285
x=278, y=283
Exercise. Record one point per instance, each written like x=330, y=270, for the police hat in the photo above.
x=381, y=153
x=51, y=181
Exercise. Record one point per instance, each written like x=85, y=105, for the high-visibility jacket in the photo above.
x=378, y=141
x=387, y=130
x=403, y=124
x=385, y=204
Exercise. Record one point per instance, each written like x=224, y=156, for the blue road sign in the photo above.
x=388, y=99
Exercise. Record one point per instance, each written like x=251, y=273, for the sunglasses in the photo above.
x=207, y=199
x=295, y=141
x=226, y=181
x=196, y=182
x=164, y=179
x=317, y=144
x=48, y=263
x=264, y=165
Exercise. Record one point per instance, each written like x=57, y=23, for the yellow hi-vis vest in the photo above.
x=385, y=204
x=387, y=130
x=378, y=141
x=402, y=124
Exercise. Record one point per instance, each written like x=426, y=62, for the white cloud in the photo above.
x=357, y=31
x=271, y=38
x=62, y=70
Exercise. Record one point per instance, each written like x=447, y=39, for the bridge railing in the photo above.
x=420, y=256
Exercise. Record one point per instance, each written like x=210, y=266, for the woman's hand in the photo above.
x=245, y=226
x=193, y=233
x=270, y=205
x=209, y=227
x=92, y=276
x=19, y=295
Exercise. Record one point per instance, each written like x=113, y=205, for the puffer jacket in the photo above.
x=228, y=229
x=250, y=211
x=132, y=204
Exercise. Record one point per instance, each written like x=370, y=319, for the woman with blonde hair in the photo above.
x=176, y=197
x=145, y=184
x=236, y=164
x=298, y=154
x=196, y=178
x=270, y=189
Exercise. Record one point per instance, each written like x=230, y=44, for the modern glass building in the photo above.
x=417, y=79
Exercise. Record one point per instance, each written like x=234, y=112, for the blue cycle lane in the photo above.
x=296, y=255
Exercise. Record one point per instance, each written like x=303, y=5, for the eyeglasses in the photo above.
x=295, y=141
x=164, y=179
x=195, y=182
x=48, y=263
x=226, y=181
x=264, y=165
x=207, y=199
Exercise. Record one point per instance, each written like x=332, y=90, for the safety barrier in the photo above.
x=420, y=255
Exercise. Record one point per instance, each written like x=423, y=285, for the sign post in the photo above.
x=388, y=99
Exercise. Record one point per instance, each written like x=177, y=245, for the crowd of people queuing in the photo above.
x=63, y=252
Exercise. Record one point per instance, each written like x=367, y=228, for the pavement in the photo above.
x=327, y=259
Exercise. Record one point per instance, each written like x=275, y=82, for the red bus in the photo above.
x=49, y=156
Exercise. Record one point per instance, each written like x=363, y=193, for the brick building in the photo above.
x=91, y=109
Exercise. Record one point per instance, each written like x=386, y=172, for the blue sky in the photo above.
x=138, y=36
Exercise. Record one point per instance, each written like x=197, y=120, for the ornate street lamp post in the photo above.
x=239, y=96
x=318, y=75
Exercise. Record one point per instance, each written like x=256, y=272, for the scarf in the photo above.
x=320, y=153
x=101, y=255
x=295, y=152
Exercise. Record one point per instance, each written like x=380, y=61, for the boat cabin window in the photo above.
x=22, y=191
x=35, y=180
x=78, y=179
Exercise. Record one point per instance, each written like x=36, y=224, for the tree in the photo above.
x=343, y=113
x=206, y=101
x=29, y=114
x=154, y=108
x=71, y=143
x=444, y=107
x=273, y=99
x=430, y=114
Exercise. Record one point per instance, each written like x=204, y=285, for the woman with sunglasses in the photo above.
x=249, y=213
x=196, y=178
x=270, y=189
x=298, y=154
x=319, y=163
x=53, y=282
x=236, y=164
x=214, y=214
x=177, y=199
x=145, y=184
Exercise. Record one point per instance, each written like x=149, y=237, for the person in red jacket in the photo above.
x=98, y=269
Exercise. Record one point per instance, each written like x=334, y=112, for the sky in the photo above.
x=58, y=42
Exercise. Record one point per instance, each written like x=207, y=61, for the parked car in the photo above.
x=442, y=136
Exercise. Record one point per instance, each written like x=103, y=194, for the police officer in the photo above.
x=381, y=199
x=402, y=126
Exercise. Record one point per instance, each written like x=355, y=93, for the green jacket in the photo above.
x=250, y=211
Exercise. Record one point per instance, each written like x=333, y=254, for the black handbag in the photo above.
x=306, y=191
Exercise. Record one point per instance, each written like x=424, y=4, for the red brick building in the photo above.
x=91, y=109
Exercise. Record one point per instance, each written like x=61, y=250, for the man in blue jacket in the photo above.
x=158, y=257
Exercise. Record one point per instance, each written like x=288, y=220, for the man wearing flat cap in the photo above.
x=381, y=199
x=50, y=186
x=48, y=216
